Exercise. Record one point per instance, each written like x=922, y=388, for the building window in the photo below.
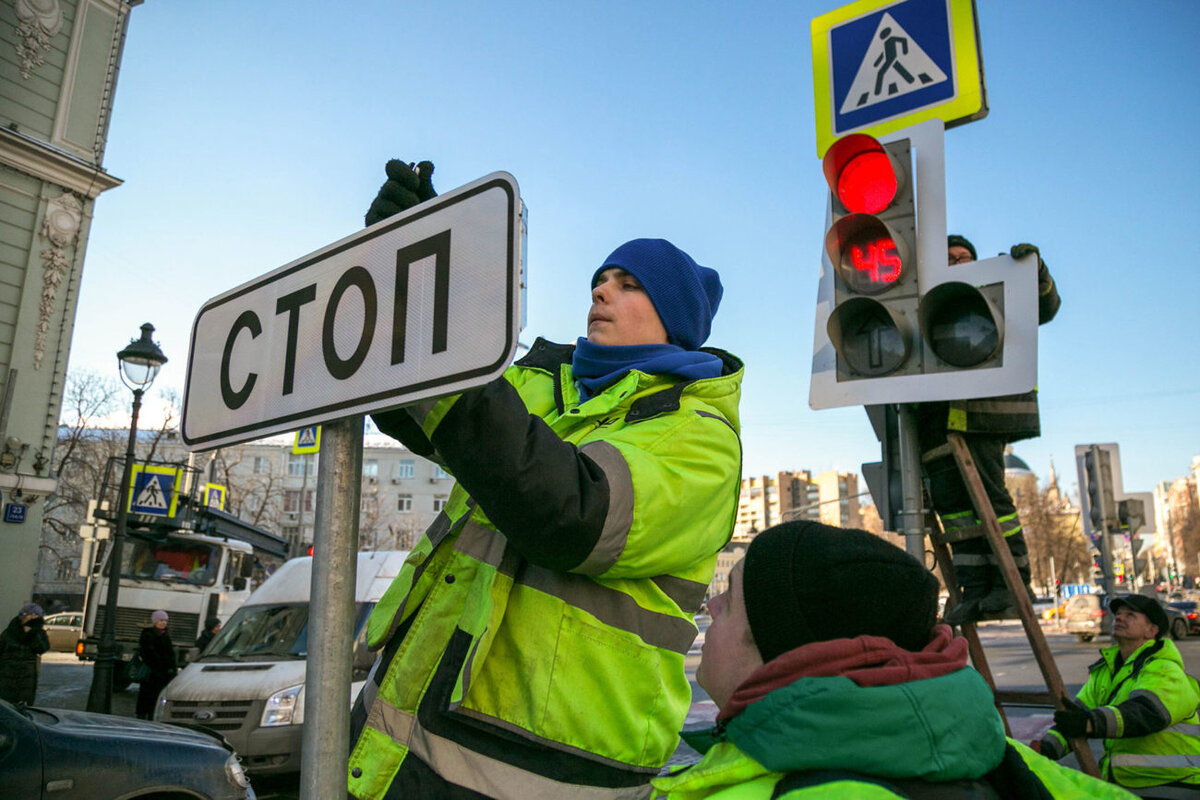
x=439, y=502
x=291, y=501
x=299, y=463
x=370, y=468
x=404, y=503
x=262, y=465
x=405, y=469
x=440, y=473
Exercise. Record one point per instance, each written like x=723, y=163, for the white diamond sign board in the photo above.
x=422, y=304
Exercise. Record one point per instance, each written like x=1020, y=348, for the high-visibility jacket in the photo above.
x=1147, y=717
x=534, y=643
x=826, y=738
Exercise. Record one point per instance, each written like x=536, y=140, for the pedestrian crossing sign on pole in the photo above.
x=883, y=65
x=308, y=440
x=153, y=490
x=214, y=496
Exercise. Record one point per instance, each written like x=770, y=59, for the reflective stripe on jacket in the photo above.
x=534, y=642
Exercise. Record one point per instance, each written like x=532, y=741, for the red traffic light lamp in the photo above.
x=862, y=174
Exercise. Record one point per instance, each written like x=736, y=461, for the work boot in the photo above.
x=999, y=601
x=969, y=608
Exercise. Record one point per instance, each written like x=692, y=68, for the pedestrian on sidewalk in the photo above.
x=21, y=646
x=833, y=681
x=158, y=654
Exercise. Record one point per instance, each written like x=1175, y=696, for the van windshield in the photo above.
x=276, y=631
x=172, y=560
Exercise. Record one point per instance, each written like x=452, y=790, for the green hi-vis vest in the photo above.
x=519, y=681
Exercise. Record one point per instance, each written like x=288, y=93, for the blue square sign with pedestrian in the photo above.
x=152, y=494
x=888, y=63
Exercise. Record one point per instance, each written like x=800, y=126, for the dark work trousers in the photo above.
x=974, y=563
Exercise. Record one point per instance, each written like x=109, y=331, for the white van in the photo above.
x=248, y=684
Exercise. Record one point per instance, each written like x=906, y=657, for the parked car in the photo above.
x=1179, y=621
x=50, y=752
x=1087, y=616
x=1190, y=611
x=64, y=629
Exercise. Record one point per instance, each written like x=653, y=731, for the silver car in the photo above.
x=64, y=629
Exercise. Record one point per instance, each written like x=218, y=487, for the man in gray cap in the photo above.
x=1142, y=703
x=21, y=647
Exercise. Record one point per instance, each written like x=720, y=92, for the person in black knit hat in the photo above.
x=834, y=680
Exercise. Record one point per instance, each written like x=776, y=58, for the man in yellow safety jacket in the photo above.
x=1139, y=700
x=533, y=646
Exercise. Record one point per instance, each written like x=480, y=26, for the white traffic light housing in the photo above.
x=895, y=322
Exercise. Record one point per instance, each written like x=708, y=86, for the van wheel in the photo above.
x=1085, y=637
x=1179, y=629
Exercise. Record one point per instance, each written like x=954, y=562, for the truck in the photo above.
x=248, y=683
x=202, y=562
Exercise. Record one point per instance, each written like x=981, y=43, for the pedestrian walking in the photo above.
x=21, y=646
x=158, y=654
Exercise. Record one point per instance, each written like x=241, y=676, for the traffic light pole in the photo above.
x=912, y=515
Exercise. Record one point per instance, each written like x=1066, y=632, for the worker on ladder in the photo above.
x=987, y=425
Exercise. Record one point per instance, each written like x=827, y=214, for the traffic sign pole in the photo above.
x=326, y=737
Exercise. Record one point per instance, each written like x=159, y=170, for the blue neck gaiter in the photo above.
x=596, y=366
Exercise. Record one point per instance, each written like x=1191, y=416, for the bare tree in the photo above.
x=1054, y=535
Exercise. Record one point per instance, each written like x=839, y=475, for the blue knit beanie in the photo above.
x=685, y=294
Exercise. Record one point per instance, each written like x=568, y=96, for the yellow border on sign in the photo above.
x=153, y=469
x=968, y=72
x=315, y=447
x=208, y=487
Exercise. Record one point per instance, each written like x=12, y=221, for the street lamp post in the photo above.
x=139, y=362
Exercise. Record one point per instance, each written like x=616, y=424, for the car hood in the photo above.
x=93, y=726
x=234, y=680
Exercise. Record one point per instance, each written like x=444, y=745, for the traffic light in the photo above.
x=1098, y=471
x=895, y=322
x=871, y=245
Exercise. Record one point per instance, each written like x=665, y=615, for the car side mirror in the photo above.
x=247, y=568
x=239, y=583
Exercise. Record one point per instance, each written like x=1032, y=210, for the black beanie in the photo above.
x=805, y=582
x=954, y=240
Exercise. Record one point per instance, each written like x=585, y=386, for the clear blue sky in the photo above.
x=249, y=134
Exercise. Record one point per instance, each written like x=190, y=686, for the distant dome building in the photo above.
x=1019, y=478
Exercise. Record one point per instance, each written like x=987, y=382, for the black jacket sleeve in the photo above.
x=547, y=498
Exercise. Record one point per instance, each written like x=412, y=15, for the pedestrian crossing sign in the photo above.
x=883, y=65
x=153, y=490
x=214, y=496
x=308, y=440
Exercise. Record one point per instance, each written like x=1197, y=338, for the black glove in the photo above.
x=1024, y=249
x=405, y=187
x=36, y=623
x=1072, y=721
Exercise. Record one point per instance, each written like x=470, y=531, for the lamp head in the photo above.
x=141, y=360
